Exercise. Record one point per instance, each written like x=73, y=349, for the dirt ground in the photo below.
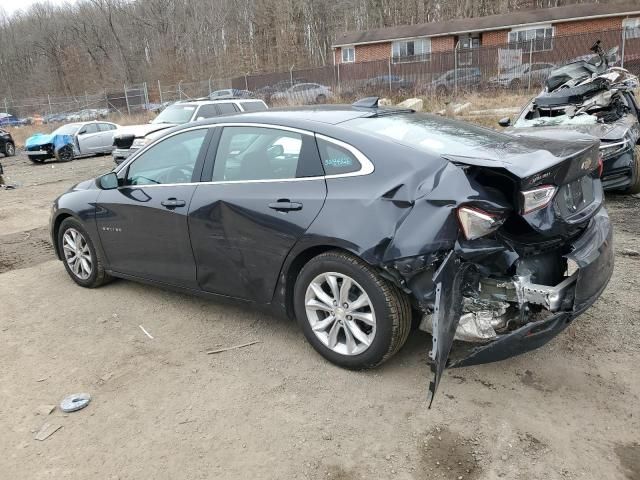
x=162, y=408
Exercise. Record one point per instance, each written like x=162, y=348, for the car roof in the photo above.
x=221, y=100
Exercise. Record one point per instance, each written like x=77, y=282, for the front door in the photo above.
x=267, y=188
x=89, y=139
x=143, y=223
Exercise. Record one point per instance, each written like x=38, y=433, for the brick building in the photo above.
x=542, y=35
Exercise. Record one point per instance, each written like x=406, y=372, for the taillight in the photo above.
x=476, y=223
x=537, y=198
x=600, y=166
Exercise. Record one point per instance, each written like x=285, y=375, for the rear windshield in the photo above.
x=428, y=132
x=253, y=106
x=175, y=114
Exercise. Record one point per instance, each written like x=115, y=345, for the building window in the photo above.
x=631, y=27
x=348, y=54
x=415, y=50
x=538, y=39
x=467, y=49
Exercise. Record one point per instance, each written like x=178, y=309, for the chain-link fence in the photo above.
x=522, y=64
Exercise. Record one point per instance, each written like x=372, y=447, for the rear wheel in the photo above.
x=349, y=314
x=634, y=187
x=321, y=98
x=442, y=90
x=515, y=84
x=9, y=149
x=81, y=259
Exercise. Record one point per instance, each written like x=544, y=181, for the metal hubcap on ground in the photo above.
x=340, y=313
x=77, y=254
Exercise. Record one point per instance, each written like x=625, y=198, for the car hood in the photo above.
x=142, y=130
x=40, y=139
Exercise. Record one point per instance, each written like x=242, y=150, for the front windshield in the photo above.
x=430, y=133
x=69, y=129
x=175, y=114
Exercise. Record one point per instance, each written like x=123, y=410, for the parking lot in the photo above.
x=164, y=408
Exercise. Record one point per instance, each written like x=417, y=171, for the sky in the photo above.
x=12, y=6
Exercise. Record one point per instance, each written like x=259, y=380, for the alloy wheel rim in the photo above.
x=340, y=313
x=10, y=149
x=77, y=253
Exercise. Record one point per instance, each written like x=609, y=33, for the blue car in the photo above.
x=7, y=120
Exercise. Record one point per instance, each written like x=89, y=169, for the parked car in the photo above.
x=7, y=120
x=71, y=141
x=461, y=78
x=303, y=93
x=349, y=218
x=129, y=139
x=590, y=98
x=230, y=93
x=7, y=145
x=384, y=82
x=522, y=75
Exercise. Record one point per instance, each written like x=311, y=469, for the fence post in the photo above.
x=160, y=92
x=390, y=76
x=6, y=109
x=530, y=61
x=339, y=85
x=180, y=89
x=86, y=99
x=210, y=86
x=126, y=99
x=624, y=41
x=290, y=75
x=49, y=100
x=146, y=95
x=246, y=81
x=455, y=69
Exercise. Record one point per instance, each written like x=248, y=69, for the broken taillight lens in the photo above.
x=600, y=166
x=476, y=223
x=537, y=198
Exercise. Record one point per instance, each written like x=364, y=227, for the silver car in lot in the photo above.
x=303, y=93
x=519, y=76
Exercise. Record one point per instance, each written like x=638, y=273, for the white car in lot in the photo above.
x=129, y=139
x=303, y=93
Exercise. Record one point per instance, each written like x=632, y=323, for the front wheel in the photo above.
x=348, y=313
x=65, y=154
x=79, y=255
x=634, y=186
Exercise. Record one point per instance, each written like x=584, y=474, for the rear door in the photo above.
x=266, y=188
x=106, y=136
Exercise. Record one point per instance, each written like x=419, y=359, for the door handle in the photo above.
x=173, y=203
x=285, y=205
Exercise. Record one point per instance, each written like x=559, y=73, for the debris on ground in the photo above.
x=45, y=410
x=75, y=402
x=145, y=332
x=413, y=103
x=47, y=430
x=210, y=352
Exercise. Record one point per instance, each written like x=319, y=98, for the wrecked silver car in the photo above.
x=590, y=97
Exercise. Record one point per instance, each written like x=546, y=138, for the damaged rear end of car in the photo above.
x=516, y=240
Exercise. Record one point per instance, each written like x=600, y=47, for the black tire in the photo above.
x=321, y=98
x=9, y=149
x=65, y=154
x=98, y=276
x=634, y=186
x=515, y=84
x=391, y=307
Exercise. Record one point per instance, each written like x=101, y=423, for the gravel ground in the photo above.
x=163, y=408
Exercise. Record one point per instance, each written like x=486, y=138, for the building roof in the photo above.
x=492, y=22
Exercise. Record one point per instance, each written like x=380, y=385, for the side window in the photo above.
x=89, y=128
x=105, y=127
x=207, y=111
x=258, y=153
x=226, y=108
x=170, y=161
x=337, y=160
x=253, y=106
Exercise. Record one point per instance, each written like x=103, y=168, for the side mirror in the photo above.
x=108, y=181
x=504, y=122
